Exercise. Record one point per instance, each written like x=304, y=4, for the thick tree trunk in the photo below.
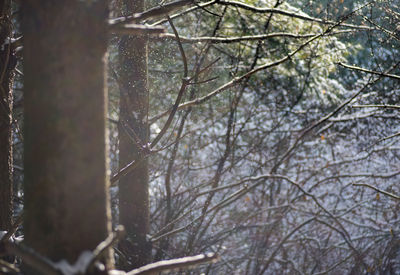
x=7, y=64
x=66, y=182
x=133, y=136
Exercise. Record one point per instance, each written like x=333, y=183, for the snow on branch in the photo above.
x=169, y=265
x=136, y=29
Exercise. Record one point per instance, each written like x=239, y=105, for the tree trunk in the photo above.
x=7, y=61
x=66, y=180
x=133, y=137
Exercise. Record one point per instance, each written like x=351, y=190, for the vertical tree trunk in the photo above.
x=133, y=134
x=66, y=182
x=7, y=64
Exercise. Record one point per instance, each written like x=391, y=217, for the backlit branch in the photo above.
x=369, y=71
x=168, y=265
x=289, y=14
x=151, y=13
x=226, y=40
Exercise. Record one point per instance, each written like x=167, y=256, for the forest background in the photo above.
x=260, y=135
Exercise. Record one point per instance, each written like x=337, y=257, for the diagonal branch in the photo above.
x=369, y=71
x=393, y=196
x=185, y=83
x=167, y=265
x=151, y=13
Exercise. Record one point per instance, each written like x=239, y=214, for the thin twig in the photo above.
x=196, y=7
x=393, y=196
x=103, y=247
x=178, y=39
x=167, y=265
x=135, y=29
x=291, y=14
x=151, y=13
x=13, y=229
x=369, y=71
x=384, y=106
x=185, y=83
x=227, y=40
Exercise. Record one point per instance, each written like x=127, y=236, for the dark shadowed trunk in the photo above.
x=66, y=197
x=7, y=64
x=133, y=137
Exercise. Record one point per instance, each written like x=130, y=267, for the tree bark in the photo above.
x=7, y=61
x=133, y=138
x=66, y=169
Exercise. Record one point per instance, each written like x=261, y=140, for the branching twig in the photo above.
x=239, y=79
x=15, y=225
x=282, y=242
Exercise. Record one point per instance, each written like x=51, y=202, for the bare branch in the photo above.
x=239, y=79
x=102, y=248
x=16, y=224
x=167, y=265
x=393, y=196
x=178, y=39
x=326, y=118
x=126, y=170
x=282, y=242
x=135, y=29
x=289, y=14
x=151, y=13
x=384, y=106
x=227, y=40
x=196, y=7
x=369, y=71
x=9, y=266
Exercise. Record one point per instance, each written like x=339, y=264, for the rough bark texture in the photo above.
x=66, y=182
x=7, y=65
x=133, y=134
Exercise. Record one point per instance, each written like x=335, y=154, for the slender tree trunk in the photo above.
x=7, y=64
x=133, y=137
x=66, y=182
